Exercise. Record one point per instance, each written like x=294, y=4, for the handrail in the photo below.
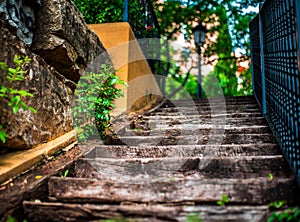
x=125, y=11
x=275, y=55
x=143, y=21
x=144, y=24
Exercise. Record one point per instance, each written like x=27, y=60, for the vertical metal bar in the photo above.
x=125, y=11
x=297, y=32
x=252, y=63
x=297, y=2
x=263, y=80
x=199, y=78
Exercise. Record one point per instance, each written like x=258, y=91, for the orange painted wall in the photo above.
x=127, y=57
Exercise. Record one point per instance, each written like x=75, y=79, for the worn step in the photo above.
x=227, y=100
x=191, y=111
x=240, y=191
x=157, y=125
x=189, y=129
x=199, y=120
x=145, y=151
x=196, y=120
x=91, y=212
x=200, y=113
x=226, y=115
x=193, y=103
x=210, y=137
x=212, y=106
x=181, y=167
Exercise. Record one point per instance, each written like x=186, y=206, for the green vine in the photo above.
x=9, y=94
x=94, y=97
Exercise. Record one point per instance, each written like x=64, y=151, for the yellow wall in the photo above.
x=127, y=57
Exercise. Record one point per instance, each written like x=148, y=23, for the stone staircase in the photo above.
x=200, y=160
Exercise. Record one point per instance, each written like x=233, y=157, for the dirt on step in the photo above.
x=33, y=183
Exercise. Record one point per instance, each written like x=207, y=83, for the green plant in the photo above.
x=271, y=176
x=223, y=200
x=290, y=214
x=12, y=219
x=193, y=218
x=95, y=95
x=277, y=204
x=65, y=174
x=117, y=220
x=9, y=94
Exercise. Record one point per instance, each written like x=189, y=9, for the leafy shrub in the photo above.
x=223, y=200
x=95, y=95
x=8, y=93
x=290, y=214
x=100, y=11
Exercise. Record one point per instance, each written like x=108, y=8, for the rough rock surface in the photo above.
x=61, y=49
x=63, y=39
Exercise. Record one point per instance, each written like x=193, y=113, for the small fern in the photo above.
x=13, y=97
x=95, y=95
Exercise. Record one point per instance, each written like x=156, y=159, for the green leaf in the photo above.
x=12, y=71
x=3, y=89
x=270, y=176
x=114, y=80
x=193, y=218
x=11, y=219
x=3, y=135
x=220, y=203
x=25, y=93
x=32, y=109
x=223, y=200
x=15, y=99
x=16, y=109
x=66, y=173
x=277, y=204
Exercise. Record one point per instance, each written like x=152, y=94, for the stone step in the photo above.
x=226, y=115
x=203, y=110
x=211, y=139
x=240, y=191
x=185, y=121
x=140, y=212
x=191, y=103
x=198, y=120
x=145, y=151
x=211, y=106
x=189, y=129
x=143, y=169
x=227, y=100
x=244, y=113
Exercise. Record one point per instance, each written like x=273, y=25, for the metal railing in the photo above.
x=143, y=22
x=142, y=19
x=275, y=53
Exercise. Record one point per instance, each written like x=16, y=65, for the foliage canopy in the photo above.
x=226, y=19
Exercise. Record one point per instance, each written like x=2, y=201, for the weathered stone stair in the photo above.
x=176, y=163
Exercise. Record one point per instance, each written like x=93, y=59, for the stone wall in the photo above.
x=53, y=34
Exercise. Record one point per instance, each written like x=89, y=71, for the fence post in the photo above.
x=252, y=61
x=297, y=33
x=125, y=11
x=263, y=80
x=297, y=2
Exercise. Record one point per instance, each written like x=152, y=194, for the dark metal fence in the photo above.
x=143, y=22
x=275, y=54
